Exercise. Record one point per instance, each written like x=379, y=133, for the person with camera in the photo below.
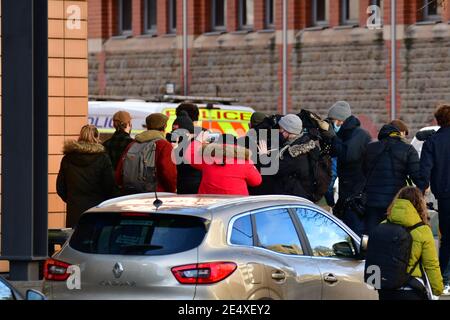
x=297, y=154
x=388, y=164
x=348, y=146
x=435, y=167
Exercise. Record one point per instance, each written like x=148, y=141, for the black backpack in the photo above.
x=389, y=248
x=321, y=174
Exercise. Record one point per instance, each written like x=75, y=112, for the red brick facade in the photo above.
x=315, y=55
x=103, y=15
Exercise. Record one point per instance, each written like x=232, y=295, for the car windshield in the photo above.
x=137, y=233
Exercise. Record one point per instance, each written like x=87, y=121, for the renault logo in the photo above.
x=117, y=270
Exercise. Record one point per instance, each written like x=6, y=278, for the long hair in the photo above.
x=89, y=134
x=415, y=196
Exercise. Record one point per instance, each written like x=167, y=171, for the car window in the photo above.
x=137, y=234
x=327, y=238
x=242, y=233
x=276, y=232
x=5, y=292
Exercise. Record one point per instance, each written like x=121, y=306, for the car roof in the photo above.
x=197, y=205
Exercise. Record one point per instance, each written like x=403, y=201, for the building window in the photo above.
x=218, y=15
x=350, y=11
x=432, y=11
x=172, y=9
x=246, y=14
x=270, y=13
x=124, y=16
x=150, y=16
x=320, y=12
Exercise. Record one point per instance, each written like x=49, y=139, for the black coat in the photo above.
x=388, y=163
x=85, y=178
x=435, y=163
x=295, y=174
x=251, y=141
x=188, y=178
x=349, y=146
x=116, y=145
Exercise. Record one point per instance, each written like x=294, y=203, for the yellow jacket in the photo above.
x=423, y=247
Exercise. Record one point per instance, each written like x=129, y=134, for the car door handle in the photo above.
x=278, y=275
x=330, y=278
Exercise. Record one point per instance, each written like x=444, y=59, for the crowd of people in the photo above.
x=311, y=153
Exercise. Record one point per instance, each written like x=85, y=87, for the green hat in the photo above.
x=257, y=118
x=156, y=121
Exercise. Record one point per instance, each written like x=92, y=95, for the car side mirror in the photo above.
x=343, y=249
x=35, y=295
x=363, y=246
x=364, y=243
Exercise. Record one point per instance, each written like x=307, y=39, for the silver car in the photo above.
x=208, y=247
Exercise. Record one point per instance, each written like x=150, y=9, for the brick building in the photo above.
x=68, y=91
x=235, y=49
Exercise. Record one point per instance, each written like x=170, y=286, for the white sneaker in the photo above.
x=446, y=291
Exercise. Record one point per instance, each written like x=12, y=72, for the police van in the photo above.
x=216, y=114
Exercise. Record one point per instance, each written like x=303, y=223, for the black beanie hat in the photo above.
x=183, y=121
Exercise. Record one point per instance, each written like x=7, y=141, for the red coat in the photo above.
x=231, y=178
x=166, y=169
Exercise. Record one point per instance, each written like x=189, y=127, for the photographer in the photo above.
x=349, y=146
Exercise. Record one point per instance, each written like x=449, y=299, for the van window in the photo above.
x=137, y=233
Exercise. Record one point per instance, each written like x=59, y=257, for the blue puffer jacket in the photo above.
x=388, y=163
x=435, y=163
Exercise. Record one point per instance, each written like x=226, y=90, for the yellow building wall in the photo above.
x=68, y=92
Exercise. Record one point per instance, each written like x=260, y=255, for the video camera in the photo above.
x=425, y=134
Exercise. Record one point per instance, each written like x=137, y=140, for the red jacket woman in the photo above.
x=226, y=169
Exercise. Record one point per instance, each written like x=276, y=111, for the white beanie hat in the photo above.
x=291, y=123
x=340, y=111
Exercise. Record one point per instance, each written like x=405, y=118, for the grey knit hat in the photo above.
x=291, y=123
x=340, y=111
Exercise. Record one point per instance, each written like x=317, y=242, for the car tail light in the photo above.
x=203, y=273
x=56, y=270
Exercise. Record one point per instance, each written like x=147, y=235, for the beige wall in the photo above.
x=68, y=91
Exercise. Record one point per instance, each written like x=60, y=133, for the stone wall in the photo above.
x=325, y=66
x=243, y=71
x=425, y=74
x=140, y=73
x=331, y=66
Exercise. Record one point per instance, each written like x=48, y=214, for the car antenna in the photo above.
x=157, y=203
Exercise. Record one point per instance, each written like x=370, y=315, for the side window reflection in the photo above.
x=327, y=238
x=276, y=232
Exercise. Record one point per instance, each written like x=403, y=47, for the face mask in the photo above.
x=282, y=139
x=336, y=127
